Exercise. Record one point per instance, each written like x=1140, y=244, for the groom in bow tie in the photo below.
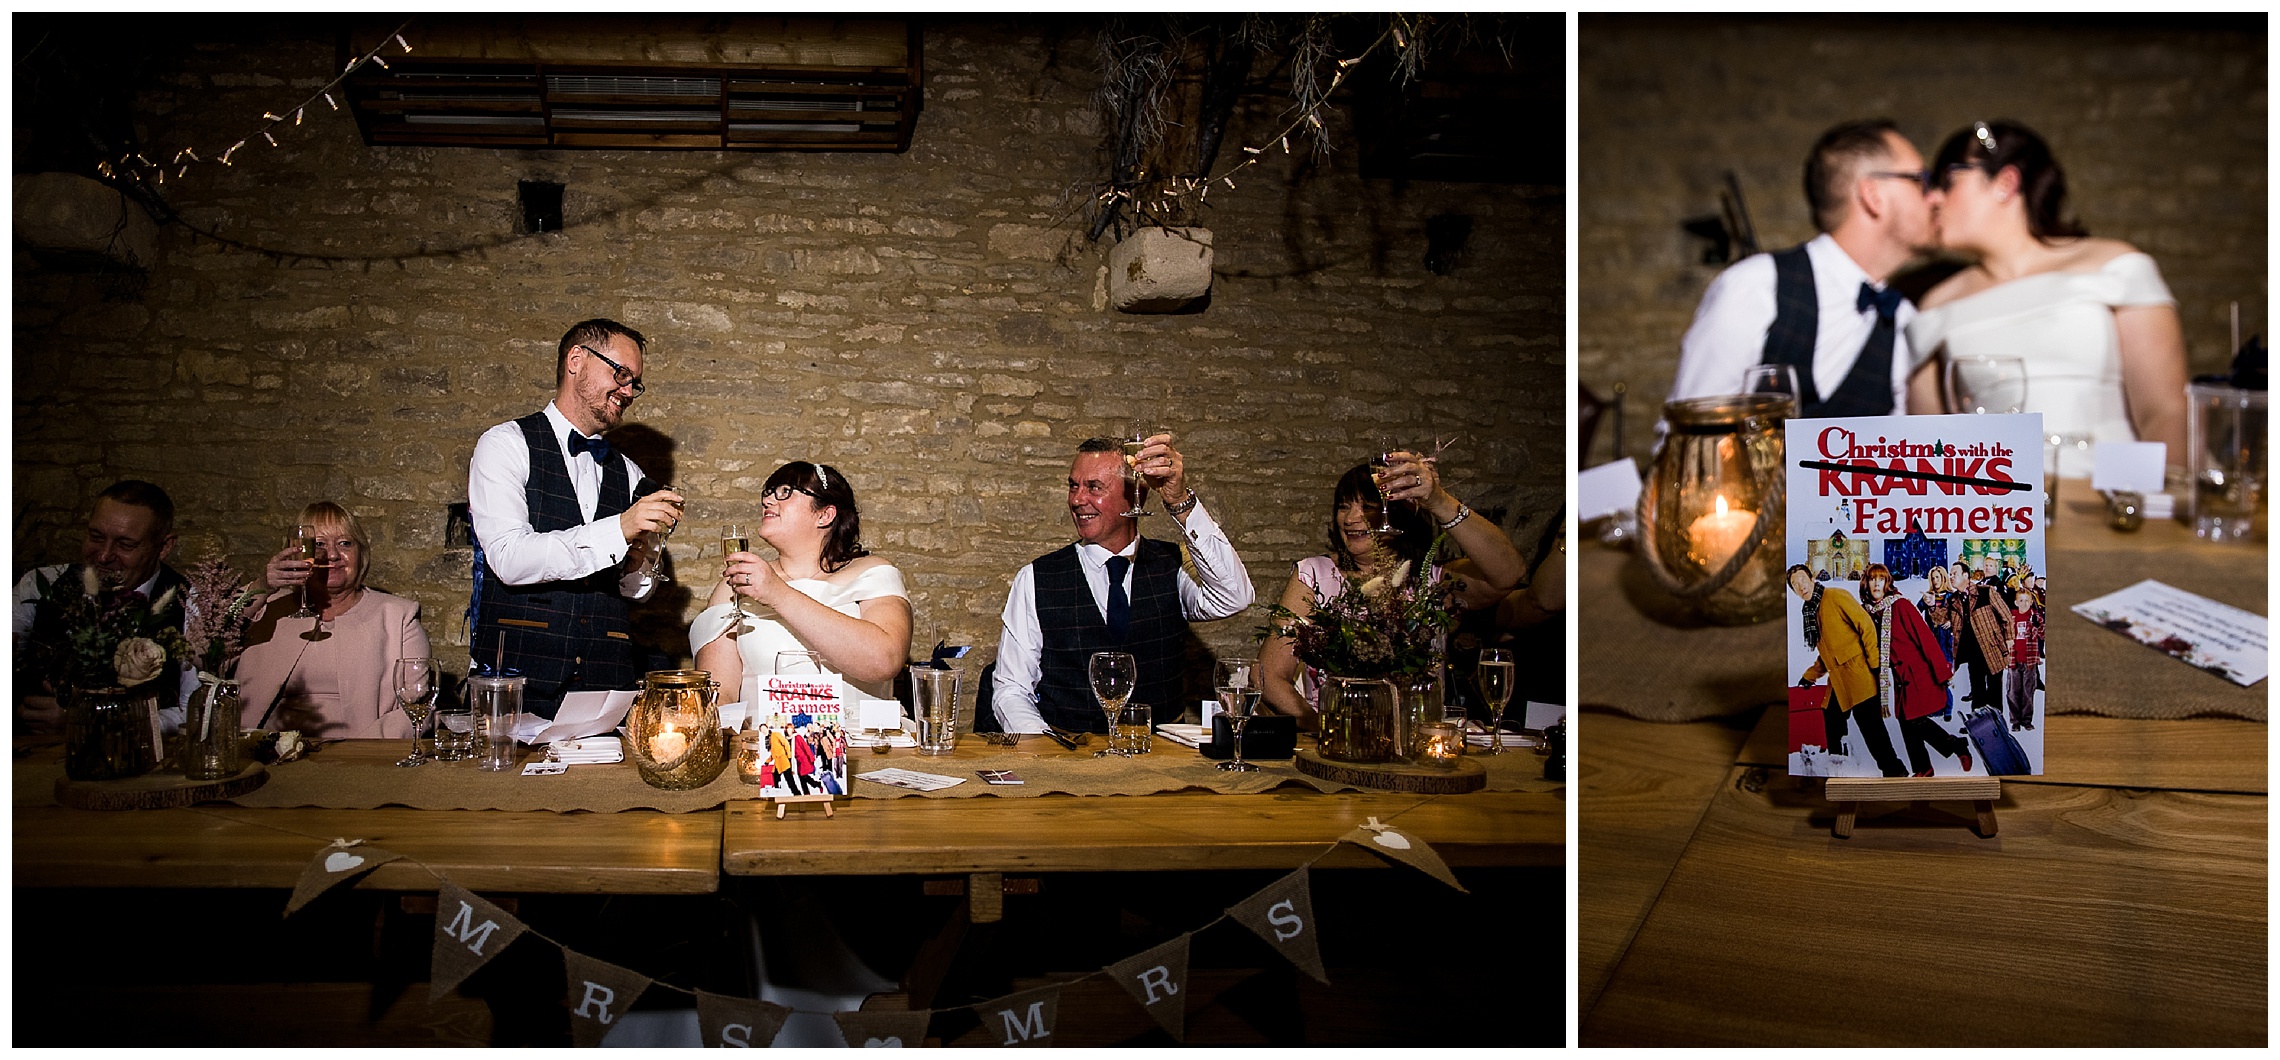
x=560, y=517
x=1823, y=307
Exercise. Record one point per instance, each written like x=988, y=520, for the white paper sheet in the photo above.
x=581, y=714
x=912, y=779
x=1610, y=487
x=2134, y=466
x=2195, y=630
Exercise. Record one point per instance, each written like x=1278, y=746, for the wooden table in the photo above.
x=2122, y=901
x=1187, y=830
x=638, y=852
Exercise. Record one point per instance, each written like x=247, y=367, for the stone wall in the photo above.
x=926, y=321
x=2160, y=124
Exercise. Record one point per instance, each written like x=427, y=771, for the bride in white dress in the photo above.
x=823, y=593
x=2097, y=328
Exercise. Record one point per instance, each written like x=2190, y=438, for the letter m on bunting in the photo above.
x=468, y=933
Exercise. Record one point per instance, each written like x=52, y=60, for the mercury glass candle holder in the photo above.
x=1713, y=514
x=673, y=733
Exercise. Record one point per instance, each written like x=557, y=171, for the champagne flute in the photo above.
x=304, y=540
x=1778, y=380
x=1237, y=704
x=732, y=541
x=415, y=692
x=1135, y=439
x=1381, y=461
x=657, y=557
x=1113, y=674
x=1494, y=676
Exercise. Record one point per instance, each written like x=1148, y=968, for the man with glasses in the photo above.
x=1823, y=308
x=561, y=523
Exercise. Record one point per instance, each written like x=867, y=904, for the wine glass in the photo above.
x=1113, y=674
x=1773, y=379
x=1237, y=704
x=415, y=692
x=657, y=540
x=1494, y=676
x=1987, y=385
x=304, y=540
x=1135, y=439
x=1381, y=461
x=732, y=541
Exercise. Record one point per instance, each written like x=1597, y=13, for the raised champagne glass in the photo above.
x=1494, y=676
x=1380, y=462
x=303, y=539
x=1113, y=673
x=732, y=541
x=415, y=692
x=1135, y=439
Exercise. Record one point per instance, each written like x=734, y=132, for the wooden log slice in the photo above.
x=155, y=791
x=1395, y=776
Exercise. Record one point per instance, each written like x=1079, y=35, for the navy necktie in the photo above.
x=1119, y=605
x=600, y=447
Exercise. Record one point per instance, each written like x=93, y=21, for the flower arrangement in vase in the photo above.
x=220, y=614
x=103, y=652
x=1382, y=635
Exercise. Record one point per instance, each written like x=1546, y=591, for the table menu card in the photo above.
x=2195, y=630
x=1916, y=592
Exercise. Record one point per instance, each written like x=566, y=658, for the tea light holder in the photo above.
x=673, y=732
x=747, y=754
x=1441, y=743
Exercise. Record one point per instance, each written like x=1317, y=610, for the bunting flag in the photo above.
x=335, y=865
x=1388, y=841
x=884, y=1030
x=1157, y=980
x=468, y=933
x=1023, y=1019
x=599, y=992
x=725, y=1022
x=1283, y=914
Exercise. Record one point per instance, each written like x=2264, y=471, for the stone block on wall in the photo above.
x=1159, y=270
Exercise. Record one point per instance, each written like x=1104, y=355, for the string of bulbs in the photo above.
x=1156, y=206
x=137, y=167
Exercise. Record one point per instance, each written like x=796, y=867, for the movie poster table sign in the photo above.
x=1916, y=607
x=802, y=748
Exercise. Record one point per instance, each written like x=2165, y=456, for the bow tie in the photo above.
x=1886, y=301
x=600, y=447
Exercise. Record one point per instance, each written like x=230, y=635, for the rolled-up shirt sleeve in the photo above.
x=1021, y=648
x=1220, y=586
x=518, y=554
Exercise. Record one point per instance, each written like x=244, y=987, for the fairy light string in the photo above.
x=133, y=166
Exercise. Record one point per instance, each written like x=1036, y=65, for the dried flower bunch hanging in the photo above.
x=220, y=613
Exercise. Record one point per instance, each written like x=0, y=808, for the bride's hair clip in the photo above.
x=1984, y=135
x=821, y=476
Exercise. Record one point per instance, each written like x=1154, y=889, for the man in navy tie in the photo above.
x=1823, y=307
x=1113, y=590
x=565, y=525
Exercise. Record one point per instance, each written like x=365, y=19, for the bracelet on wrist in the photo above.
x=1463, y=513
x=1183, y=507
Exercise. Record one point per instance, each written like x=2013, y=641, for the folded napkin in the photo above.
x=592, y=750
x=1185, y=735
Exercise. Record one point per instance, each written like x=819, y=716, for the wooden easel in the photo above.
x=1849, y=792
x=783, y=801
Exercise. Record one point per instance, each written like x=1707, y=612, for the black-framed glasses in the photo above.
x=784, y=493
x=1922, y=177
x=1945, y=175
x=624, y=378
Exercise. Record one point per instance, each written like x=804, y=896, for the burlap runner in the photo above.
x=1637, y=654
x=340, y=782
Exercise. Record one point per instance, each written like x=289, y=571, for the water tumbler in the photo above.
x=934, y=704
x=496, y=701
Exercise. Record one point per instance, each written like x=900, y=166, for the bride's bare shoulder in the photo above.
x=2091, y=253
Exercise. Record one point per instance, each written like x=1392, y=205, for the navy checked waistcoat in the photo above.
x=564, y=636
x=1073, y=630
x=1867, y=389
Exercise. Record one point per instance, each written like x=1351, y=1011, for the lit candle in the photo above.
x=1714, y=538
x=667, y=746
x=1442, y=744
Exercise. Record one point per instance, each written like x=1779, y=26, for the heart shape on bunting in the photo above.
x=334, y=866
x=1403, y=847
x=880, y=1029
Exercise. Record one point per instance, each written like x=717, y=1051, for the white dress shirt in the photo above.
x=1727, y=337
x=519, y=555
x=1225, y=590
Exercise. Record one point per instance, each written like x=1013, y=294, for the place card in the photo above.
x=1604, y=490
x=1540, y=716
x=2138, y=467
x=912, y=779
x=2193, y=629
